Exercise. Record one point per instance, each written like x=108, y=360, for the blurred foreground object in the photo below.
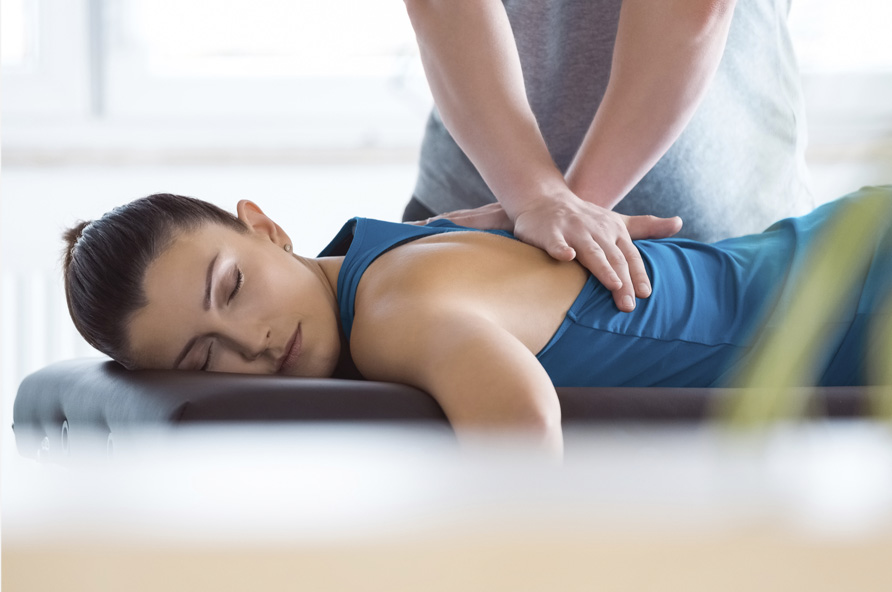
x=791, y=354
x=383, y=508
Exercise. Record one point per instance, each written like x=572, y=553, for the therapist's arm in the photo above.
x=665, y=56
x=470, y=58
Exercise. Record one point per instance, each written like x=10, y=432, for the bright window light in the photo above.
x=832, y=36
x=274, y=38
x=17, y=29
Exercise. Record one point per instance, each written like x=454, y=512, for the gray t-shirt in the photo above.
x=738, y=166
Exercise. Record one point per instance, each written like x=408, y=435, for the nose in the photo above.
x=249, y=340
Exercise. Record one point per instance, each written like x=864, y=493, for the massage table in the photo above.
x=86, y=407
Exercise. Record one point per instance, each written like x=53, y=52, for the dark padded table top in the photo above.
x=57, y=404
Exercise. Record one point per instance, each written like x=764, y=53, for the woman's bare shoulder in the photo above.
x=520, y=288
x=405, y=293
x=479, y=372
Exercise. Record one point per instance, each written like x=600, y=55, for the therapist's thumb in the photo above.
x=652, y=226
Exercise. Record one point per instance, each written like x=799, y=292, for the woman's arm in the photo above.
x=482, y=376
x=473, y=69
x=665, y=56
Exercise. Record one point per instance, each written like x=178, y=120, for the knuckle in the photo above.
x=618, y=263
x=617, y=259
x=592, y=249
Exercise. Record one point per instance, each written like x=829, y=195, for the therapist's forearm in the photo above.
x=665, y=56
x=470, y=58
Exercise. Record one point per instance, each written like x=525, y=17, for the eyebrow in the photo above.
x=207, y=283
x=206, y=305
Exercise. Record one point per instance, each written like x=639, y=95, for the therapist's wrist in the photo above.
x=534, y=194
x=587, y=188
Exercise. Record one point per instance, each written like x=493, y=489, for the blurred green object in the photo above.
x=786, y=358
x=881, y=365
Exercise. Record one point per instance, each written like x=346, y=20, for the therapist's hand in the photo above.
x=489, y=217
x=600, y=239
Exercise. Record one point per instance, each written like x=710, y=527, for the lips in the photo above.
x=292, y=352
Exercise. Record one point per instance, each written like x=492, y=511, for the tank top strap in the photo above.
x=361, y=241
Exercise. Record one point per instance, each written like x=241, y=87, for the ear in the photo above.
x=261, y=224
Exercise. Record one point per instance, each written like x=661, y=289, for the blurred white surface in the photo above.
x=229, y=485
x=721, y=507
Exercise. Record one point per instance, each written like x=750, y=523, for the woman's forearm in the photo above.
x=473, y=69
x=665, y=57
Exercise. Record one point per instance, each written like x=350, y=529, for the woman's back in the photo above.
x=707, y=299
x=524, y=289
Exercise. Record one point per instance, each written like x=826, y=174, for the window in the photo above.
x=18, y=34
x=192, y=74
x=845, y=54
x=45, y=67
x=349, y=66
x=842, y=36
x=179, y=75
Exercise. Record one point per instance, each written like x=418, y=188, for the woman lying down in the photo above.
x=484, y=323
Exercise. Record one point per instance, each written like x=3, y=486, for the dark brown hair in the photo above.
x=105, y=262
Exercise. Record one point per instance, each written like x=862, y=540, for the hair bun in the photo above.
x=74, y=233
x=71, y=237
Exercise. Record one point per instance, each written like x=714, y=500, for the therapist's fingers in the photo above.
x=487, y=217
x=608, y=263
x=609, y=254
x=590, y=254
x=568, y=242
x=644, y=227
x=637, y=271
x=623, y=290
x=651, y=226
x=596, y=237
x=556, y=246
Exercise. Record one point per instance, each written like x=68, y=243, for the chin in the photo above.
x=324, y=368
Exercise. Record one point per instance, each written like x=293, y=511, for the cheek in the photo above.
x=283, y=280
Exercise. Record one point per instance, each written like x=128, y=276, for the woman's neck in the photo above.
x=327, y=270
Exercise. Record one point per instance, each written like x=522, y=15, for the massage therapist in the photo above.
x=570, y=115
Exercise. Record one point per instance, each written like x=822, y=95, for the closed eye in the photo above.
x=240, y=279
x=207, y=362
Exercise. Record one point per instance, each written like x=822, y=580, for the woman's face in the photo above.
x=223, y=301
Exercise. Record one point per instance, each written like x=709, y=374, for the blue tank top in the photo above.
x=707, y=305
